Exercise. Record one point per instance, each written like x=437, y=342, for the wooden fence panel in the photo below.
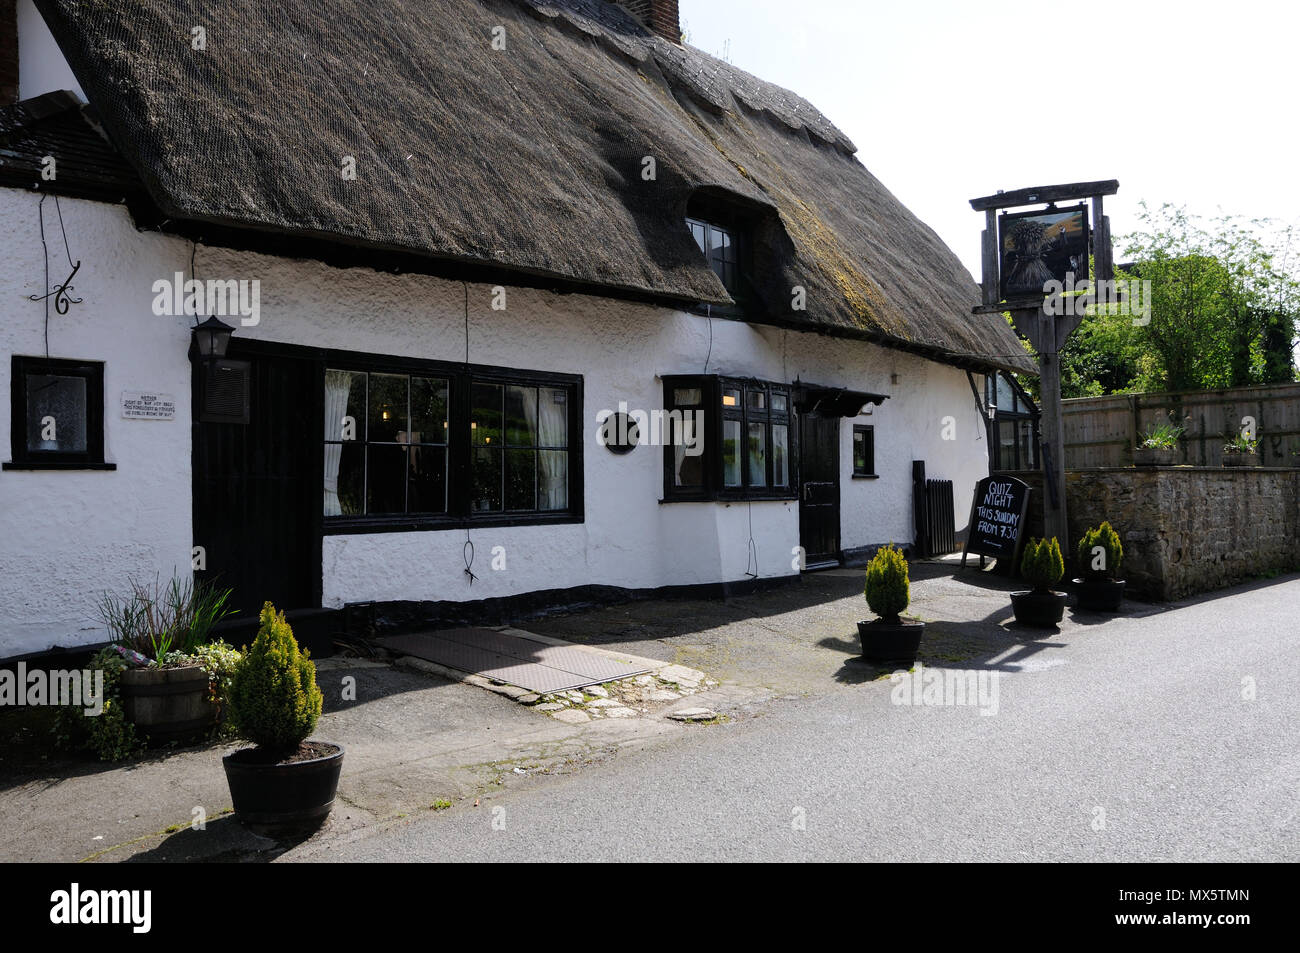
x=1101, y=431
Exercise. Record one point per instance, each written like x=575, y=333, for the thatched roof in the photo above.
x=527, y=158
x=61, y=126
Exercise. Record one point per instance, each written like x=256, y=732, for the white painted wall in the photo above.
x=64, y=537
x=41, y=66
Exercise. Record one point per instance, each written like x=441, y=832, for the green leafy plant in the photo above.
x=887, y=587
x=219, y=660
x=274, y=700
x=108, y=735
x=1111, y=557
x=1240, y=444
x=157, y=619
x=1160, y=437
x=1042, y=564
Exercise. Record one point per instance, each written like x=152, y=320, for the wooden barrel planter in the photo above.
x=168, y=704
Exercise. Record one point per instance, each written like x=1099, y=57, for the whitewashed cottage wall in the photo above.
x=66, y=536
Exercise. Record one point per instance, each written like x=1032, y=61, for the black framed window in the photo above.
x=721, y=247
x=744, y=439
x=520, y=439
x=864, y=450
x=385, y=443
x=433, y=445
x=56, y=415
x=1013, y=424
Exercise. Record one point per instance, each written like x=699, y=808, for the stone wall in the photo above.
x=1186, y=529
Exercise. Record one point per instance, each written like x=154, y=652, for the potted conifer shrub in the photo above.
x=889, y=637
x=1100, y=554
x=286, y=782
x=1042, y=567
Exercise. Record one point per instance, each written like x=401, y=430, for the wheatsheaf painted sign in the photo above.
x=143, y=405
x=997, y=517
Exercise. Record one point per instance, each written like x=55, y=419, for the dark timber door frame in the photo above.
x=819, y=489
x=258, y=487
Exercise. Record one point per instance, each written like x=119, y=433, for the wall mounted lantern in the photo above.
x=211, y=338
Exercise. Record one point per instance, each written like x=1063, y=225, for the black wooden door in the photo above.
x=819, y=489
x=258, y=489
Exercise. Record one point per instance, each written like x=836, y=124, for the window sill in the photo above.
x=785, y=498
x=56, y=465
x=866, y=476
x=335, y=526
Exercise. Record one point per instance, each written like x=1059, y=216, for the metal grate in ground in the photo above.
x=536, y=666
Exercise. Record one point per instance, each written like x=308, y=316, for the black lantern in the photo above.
x=211, y=338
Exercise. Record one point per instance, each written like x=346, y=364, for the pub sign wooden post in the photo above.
x=1032, y=260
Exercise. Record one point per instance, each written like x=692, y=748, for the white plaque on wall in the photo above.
x=138, y=405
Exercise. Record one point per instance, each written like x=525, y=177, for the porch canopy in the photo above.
x=833, y=401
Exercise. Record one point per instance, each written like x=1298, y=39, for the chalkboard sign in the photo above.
x=997, y=518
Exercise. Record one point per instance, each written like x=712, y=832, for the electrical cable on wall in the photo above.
x=708, y=311
x=467, y=551
x=752, y=556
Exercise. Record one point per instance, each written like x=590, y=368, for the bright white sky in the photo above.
x=1188, y=102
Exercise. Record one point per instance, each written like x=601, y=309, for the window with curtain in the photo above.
x=385, y=443
x=449, y=448
x=520, y=438
x=746, y=439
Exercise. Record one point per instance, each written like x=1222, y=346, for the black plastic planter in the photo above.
x=274, y=798
x=1099, y=595
x=890, y=642
x=1042, y=610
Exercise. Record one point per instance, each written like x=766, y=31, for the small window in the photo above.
x=864, y=451
x=721, y=247
x=57, y=415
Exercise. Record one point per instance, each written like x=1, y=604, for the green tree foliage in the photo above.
x=888, y=589
x=274, y=699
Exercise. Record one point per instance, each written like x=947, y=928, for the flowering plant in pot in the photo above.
x=1099, y=556
x=1241, y=451
x=1158, y=447
x=889, y=637
x=1042, y=566
x=285, y=782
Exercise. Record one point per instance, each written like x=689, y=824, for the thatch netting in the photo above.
x=527, y=157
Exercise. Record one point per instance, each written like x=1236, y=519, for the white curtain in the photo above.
x=683, y=439
x=337, y=385
x=552, y=465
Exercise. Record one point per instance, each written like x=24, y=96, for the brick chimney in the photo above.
x=8, y=52
x=657, y=16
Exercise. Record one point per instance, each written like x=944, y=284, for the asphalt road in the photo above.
x=1135, y=740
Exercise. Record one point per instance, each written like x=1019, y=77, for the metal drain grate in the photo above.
x=536, y=666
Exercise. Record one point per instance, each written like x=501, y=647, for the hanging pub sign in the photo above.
x=1042, y=246
x=997, y=518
